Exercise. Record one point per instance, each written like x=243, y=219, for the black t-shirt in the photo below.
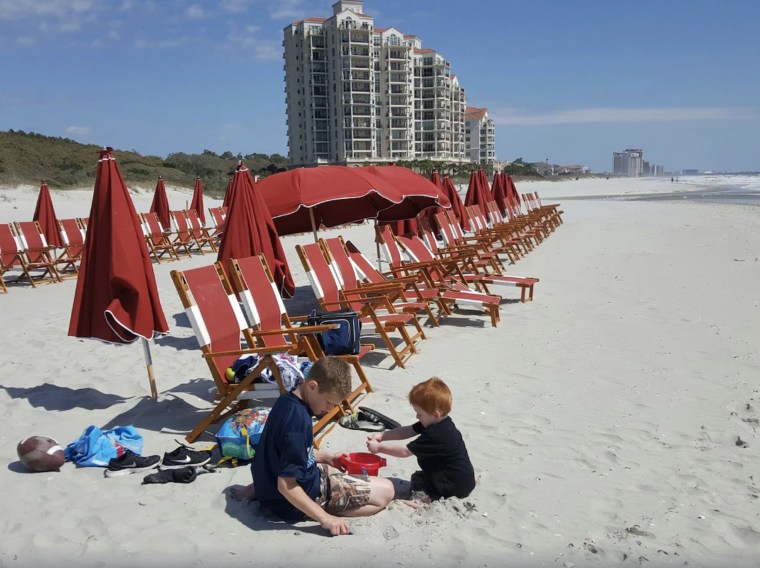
x=443, y=458
x=286, y=449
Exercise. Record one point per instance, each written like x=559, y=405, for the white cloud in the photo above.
x=268, y=51
x=20, y=9
x=195, y=12
x=166, y=43
x=234, y=6
x=288, y=9
x=619, y=115
x=78, y=130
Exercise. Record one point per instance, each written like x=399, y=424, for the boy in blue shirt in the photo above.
x=297, y=481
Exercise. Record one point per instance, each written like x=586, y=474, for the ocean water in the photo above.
x=717, y=188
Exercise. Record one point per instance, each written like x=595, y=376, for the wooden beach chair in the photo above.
x=223, y=336
x=34, y=253
x=444, y=277
x=271, y=326
x=374, y=309
x=199, y=233
x=469, y=273
x=157, y=239
x=349, y=279
x=72, y=237
x=181, y=238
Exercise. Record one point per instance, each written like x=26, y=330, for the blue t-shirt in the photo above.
x=286, y=449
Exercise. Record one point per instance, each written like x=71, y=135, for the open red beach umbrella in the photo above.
x=304, y=199
x=116, y=298
x=413, y=192
x=249, y=231
x=456, y=202
x=160, y=205
x=45, y=215
x=197, y=202
x=499, y=191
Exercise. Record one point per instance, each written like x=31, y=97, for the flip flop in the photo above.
x=375, y=416
x=352, y=422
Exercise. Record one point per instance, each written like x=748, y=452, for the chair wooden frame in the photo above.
x=398, y=292
x=72, y=237
x=33, y=252
x=372, y=307
x=157, y=238
x=199, y=233
x=272, y=326
x=221, y=331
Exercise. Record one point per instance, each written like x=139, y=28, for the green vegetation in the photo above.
x=27, y=157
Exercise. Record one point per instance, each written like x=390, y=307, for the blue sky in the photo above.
x=570, y=82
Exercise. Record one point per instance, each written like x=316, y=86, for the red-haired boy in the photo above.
x=439, y=447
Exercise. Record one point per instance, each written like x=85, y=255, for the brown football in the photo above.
x=40, y=453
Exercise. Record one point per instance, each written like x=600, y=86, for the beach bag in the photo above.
x=288, y=365
x=241, y=432
x=96, y=447
x=343, y=340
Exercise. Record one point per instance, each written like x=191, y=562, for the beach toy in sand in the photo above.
x=362, y=463
x=40, y=453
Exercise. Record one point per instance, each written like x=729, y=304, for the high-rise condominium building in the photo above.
x=479, y=136
x=356, y=93
x=629, y=163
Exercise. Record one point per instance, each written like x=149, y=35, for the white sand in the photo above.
x=602, y=418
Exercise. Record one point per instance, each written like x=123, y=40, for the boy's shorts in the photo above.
x=341, y=492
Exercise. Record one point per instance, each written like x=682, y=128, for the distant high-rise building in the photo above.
x=479, y=136
x=356, y=93
x=629, y=163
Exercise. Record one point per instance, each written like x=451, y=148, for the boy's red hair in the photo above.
x=431, y=395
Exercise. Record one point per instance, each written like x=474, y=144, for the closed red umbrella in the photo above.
x=44, y=213
x=512, y=191
x=160, y=205
x=456, y=202
x=499, y=191
x=116, y=298
x=227, y=194
x=250, y=231
x=197, y=202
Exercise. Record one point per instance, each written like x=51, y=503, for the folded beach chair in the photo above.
x=350, y=279
x=444, y=277
x=223, y=336
x=33, y=252
x=200, y=234
x=373, y=309
x=523, y=232
x=271, y=326
x=157, y=239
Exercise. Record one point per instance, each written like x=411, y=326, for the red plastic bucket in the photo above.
x=362, y=462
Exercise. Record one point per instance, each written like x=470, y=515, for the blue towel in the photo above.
x=96, y=447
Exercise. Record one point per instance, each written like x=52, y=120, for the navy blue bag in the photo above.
x=343, y=340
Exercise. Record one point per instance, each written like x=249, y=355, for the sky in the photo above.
x=567, y=82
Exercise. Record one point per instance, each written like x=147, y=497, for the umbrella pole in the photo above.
x=149, y=365
x=313, y=224
x=377, y=249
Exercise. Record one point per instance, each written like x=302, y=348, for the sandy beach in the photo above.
x=604, y=418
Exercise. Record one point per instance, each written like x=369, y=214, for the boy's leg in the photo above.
x=350, y=496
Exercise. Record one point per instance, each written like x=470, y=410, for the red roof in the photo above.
x=474, y=113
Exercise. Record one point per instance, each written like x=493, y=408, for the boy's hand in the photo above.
x=373, y=445
x=335, y=460
x=336, y=525
x=375, y=436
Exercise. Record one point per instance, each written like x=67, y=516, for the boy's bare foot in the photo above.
x=240, y=493
x=413, y=504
